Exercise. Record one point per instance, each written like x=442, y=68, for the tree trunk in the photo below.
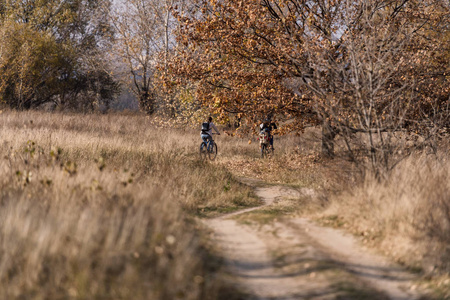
x=166, y=35
x=147, y=102
x=328, y=135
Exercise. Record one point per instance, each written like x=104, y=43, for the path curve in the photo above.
x=297, y=259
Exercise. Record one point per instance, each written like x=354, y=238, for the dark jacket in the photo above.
x=269, y=127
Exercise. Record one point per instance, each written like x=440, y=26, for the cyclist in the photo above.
x=268, y=126
x=207, y=128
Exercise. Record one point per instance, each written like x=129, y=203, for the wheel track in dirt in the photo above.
x=297, y=259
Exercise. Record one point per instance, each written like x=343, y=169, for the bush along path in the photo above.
x=273, y=257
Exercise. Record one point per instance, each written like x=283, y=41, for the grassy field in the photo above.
x=101, y=206
x=105, y=206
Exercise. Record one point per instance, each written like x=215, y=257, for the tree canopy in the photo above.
x=371, y=66
x=292, y=57
x=51, y=52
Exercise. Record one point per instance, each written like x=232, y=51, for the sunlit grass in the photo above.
x=406, y=218
x=103, y=206
x=100, y=206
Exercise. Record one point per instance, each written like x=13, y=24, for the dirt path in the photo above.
x=295, y=259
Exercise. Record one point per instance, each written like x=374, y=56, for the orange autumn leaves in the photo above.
x=357, y=65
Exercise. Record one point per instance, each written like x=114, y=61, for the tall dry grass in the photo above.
x=97, y=207
x=408, y=216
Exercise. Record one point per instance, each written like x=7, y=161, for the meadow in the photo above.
x=103, y=206
x=106, y=206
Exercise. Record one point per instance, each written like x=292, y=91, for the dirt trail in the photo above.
x=295, y=259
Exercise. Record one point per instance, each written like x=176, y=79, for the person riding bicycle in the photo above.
x=207, y=128
x=268, y=126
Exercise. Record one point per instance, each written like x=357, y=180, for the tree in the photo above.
x=378, y=88
x=359, y=68
x=234, y=65
x=143, y=30
x=30, y=63
x=49, y=48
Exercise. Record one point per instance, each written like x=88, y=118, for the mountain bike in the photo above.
x=208, y=149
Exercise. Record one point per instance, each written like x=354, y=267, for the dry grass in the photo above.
x=94, y=207
x=99, y=206
x=407, y=217
x=297, y=161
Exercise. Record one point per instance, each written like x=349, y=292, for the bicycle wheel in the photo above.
x=203, y=150
x=212, y=151
x=266, y=151
x=263, y=150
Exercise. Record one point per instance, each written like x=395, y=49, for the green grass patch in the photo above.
x=265, y=215
x=332, y=221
